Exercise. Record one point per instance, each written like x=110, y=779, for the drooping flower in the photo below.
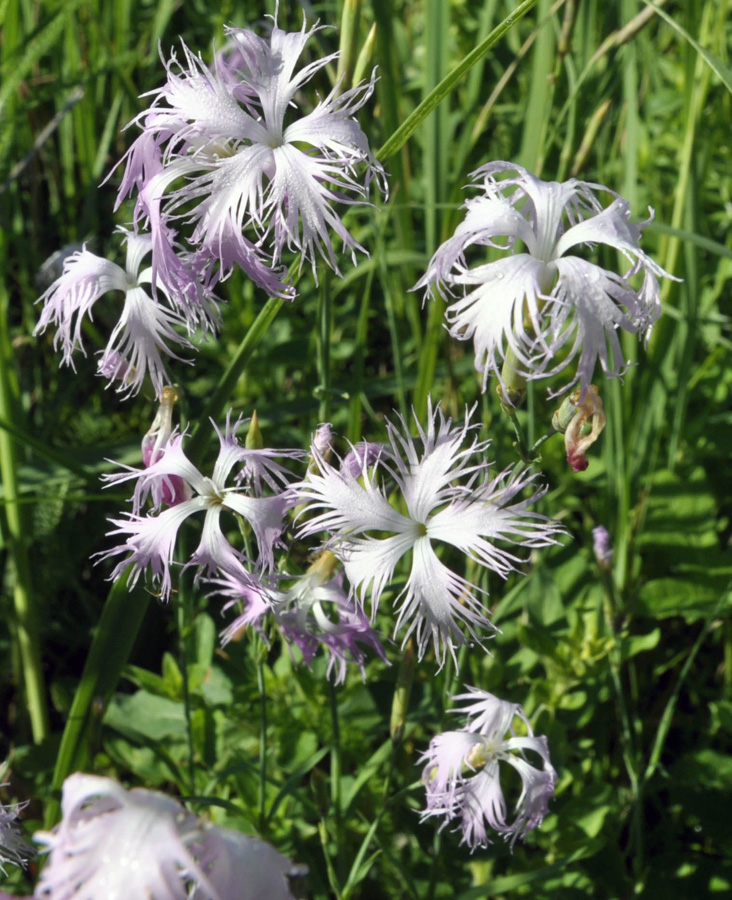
x=150, y=540
x=145, y=331
x=225, y=153
x=316, y=611
x=13, y=849
x=462, y=771
x=119, y=844
x=538, y=303
x=450, y=499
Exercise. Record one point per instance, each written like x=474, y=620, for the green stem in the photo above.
x=324, y=331
x=336, y=768
x=26, y=625
x=232, y=374
x=262, y=748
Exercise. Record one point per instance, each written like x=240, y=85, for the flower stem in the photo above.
x=324, y=330
x=262, y=748
x=336, y=767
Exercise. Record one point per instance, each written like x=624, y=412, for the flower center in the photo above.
x=212, y=494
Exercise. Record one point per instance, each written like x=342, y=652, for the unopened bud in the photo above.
x=360, y=457
x=323, y=441
x=161, y=428
x=254, y=439
x=603, y=547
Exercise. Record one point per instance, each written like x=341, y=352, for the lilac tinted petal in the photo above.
x=214, y=552
x=150, y=542
x=85, y=279
x=118, y=844
x=244, y=868
x=266, y=516
x=144, y=332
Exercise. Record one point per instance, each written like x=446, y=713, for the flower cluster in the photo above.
x=222, y=151
x=538, y=307
x=117, y=844
x=227, y=171
x=462, y=771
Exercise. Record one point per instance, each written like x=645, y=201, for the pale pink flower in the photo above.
x=149, y=541
x=117, y=844
x=120, y=844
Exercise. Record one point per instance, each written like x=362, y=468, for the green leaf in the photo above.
x=146, y=715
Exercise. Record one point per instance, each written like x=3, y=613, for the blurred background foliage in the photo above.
x=627, y=671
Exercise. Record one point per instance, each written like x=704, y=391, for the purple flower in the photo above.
x=542, y=305
x=360, y=457
x=462, y=771
x=150, y=540
x=225, y=150
x=145, y=331
x=316, y=611
x=449, y=498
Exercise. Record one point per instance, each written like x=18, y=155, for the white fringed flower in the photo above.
x=450, y=499
x=537, y=302
x=462, y=771
x=119, y=844
x=145, y=331
x=225, y=150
